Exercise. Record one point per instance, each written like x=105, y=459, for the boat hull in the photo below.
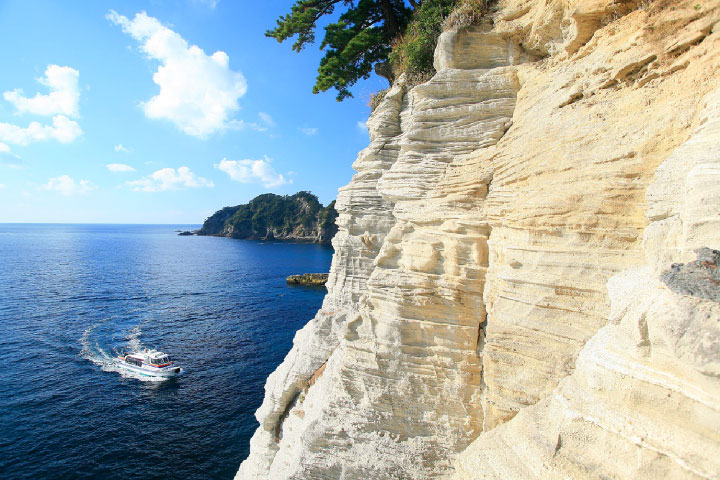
x=164, y=372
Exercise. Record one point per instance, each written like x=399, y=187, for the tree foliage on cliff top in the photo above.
x=392, y=36
x=353, y=45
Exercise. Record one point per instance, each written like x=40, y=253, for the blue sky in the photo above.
x=162, y=111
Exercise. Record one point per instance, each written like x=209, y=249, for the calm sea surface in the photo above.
x=73, y=295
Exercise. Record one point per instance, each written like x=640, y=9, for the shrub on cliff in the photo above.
x=467, y=13
x=413, y=52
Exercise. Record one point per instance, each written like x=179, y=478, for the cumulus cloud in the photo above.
x=119, y=167
x=63, y=97
x=252, y=171
x=169, y=179
x=65, y=185
x=120, y=148
x=62, y=129
x=309, y=131
x=62, y=100
x=198, y=92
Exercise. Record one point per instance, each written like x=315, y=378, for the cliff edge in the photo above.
x=503, y=298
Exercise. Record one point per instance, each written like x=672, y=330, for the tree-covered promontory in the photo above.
x=300, y=217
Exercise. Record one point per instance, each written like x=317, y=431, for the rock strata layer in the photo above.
x=495, y=306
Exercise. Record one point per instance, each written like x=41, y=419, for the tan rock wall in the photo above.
x=464, y=328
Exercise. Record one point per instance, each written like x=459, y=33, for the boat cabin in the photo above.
x=154, y=358
x=160, y=360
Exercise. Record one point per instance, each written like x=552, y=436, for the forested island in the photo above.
x=300, y=218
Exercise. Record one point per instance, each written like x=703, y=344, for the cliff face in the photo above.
x=298, y=217
x=496, y=305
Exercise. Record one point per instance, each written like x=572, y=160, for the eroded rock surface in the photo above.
x=494, y=307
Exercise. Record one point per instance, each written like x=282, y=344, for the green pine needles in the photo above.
x=353, y=45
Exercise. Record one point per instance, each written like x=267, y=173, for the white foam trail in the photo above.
x=134, y=339
x=107, y=362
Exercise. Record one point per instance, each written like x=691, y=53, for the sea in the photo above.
x=74, y=296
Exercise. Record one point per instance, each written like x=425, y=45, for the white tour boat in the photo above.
x=149, y=363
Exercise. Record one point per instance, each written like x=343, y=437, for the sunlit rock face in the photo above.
x=644, y=398
x=495, y=306
x=364, y=220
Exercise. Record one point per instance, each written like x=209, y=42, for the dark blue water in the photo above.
x=70, y=295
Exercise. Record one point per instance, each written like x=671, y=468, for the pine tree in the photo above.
x=359, y=41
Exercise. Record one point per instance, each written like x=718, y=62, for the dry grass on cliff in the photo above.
x=467, y=13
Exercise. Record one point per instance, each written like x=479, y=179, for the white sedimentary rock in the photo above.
x=466, y=330
x=642, y=403
x=644, y=398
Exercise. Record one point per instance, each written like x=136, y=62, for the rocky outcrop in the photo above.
x=495, y=306
x=311, y=279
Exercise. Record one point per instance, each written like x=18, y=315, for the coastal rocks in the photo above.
x=700, y=278
x=311, y=279
x=495, y=307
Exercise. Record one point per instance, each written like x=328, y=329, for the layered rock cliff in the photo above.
x=503, y=301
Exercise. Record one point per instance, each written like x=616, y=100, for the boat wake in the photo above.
x=92, y=351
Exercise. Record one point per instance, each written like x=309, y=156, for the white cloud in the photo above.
x=169, y=179
x=2, y=186
x=252, y=171
x=65, y=185
x=121, y=148
x=309, y=131
x=62, y=129
x=63, y=97
x=62, y=100
x=198, y=92
x=119, y=167
x=362, y=126
x=267, y=119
